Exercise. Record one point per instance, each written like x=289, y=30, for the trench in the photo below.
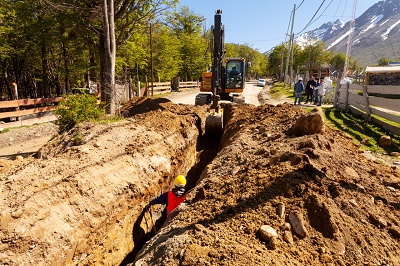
x=207, y=148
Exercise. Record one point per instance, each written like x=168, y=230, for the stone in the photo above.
x=273, y=244
x=353, y=202
x=287, y=237
x=365, y=141
x=309, y=124
x=285, y=227
x=395, y=154
x=97, y=145
x=297, y=222
x=19, y=158
x=281, y=210
x=385, y=141
x=199, y=227
x=268, y=233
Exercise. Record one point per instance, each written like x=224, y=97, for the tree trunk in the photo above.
x=107, y=51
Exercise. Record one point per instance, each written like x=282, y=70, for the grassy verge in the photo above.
x=363, y=133
x=279, y=91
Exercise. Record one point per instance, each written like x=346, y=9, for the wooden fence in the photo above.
x=376, y=103
x=163, y=87
x=26, y=112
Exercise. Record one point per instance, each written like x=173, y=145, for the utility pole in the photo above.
x=349, y=41
x=290, y=42
x=283, y=54
x=151, y=59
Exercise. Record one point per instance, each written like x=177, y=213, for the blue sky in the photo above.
x=262, y=24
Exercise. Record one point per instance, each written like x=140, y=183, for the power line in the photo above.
x=312, y=17
x=319, y=15
x=300, y=5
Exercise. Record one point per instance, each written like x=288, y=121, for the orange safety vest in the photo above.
x=173, y=202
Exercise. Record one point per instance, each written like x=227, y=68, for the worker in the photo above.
x=172, y=198
x=298, y=91
x=234, y=73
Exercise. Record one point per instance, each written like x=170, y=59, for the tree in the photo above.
x=187, y=27
x=110, y=23
x=383, y=61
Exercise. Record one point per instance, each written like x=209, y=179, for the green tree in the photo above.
x=187, y=27
x=384, y=61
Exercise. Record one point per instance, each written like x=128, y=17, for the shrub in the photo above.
x=75, y=109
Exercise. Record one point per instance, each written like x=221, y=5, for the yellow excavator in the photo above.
x=225, y=81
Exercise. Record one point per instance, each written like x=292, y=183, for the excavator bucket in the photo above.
x=214, y=123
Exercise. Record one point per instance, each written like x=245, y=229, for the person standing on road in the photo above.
x=309, y=89
x=316, y=90
x=298, y=91
x=172, y=198
x=321, y=92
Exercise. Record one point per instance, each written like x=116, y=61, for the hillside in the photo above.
x=375, y=33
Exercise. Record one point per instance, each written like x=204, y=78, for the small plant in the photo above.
x=75, y=109
x=77, y=139
x=4, y=130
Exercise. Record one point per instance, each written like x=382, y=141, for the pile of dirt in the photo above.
x=326, y=204
x=269, y=197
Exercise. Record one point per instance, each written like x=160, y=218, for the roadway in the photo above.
x=251, y=92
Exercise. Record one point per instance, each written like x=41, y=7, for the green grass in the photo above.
x=359, y=130
x=5, y=130
x=279, y=91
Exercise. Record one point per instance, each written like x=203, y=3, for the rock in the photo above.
x=326, y=258
x=19, y=158
x=309, y=124
x=285, y=227
x=395, y=154
x=391, y=189
x=273, y=244
x=281, y=210
x=378, y=221
x=351, y=172
x=296, y=220
x=287, y=237
x=199, y=227
x=97, y=145
x=374, y=172
x=365, y=141
x=353, y=202
x=268, y=233
x=385, y=141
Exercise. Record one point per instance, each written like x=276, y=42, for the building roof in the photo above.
x=383, y=69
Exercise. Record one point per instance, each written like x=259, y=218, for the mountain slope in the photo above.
x=375, y=33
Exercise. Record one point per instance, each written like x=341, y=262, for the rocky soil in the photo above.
x=270, y=196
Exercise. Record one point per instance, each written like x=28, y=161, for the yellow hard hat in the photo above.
x=180, y=181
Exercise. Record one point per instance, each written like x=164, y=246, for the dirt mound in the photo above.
x=82, y=202
x=347, y=205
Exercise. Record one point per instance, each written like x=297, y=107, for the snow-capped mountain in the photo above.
x=375, y=34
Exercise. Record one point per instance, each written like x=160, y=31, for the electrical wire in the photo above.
x=319, y=15
x=309, y=23
x=300, y=5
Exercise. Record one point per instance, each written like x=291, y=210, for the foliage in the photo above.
x=360, y=130
x=258, y=61
x=383, y=61
x=75, y=109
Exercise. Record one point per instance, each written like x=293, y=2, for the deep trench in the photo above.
x=207, y=148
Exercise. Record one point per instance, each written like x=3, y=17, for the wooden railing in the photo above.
x=376, y=103
x=27, y=111
x=162, y=87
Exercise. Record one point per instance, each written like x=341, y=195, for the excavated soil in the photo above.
x=81, y=201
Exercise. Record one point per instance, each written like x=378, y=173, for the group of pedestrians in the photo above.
x=314, y=89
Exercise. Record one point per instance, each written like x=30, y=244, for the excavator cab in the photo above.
x=234, y=75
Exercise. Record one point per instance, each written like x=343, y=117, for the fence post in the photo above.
x=367, y=107
x=336, y=94
x=346, y=99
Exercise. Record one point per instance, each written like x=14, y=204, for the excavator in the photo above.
x=225, y=81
